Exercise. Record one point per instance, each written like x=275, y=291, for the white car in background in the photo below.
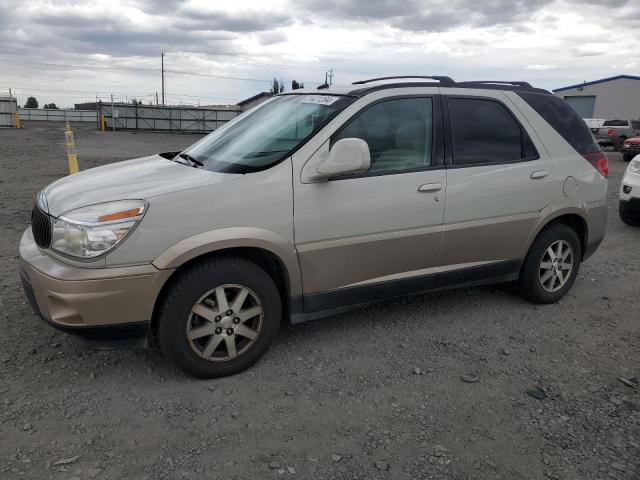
x=630, y=194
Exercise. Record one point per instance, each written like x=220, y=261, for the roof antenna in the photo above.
x=325, y=84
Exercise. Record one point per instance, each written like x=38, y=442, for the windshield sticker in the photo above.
x=320, y=99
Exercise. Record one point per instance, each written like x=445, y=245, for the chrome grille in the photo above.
x=41, y=227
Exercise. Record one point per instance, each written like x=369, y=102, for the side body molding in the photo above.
x=234, y=237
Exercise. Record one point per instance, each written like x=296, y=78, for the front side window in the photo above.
x=267, y=134
x=399, y=133
x=483, y=132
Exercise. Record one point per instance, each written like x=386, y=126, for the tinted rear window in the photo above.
x=484, y=132
x=563, y=119
x=616, y=123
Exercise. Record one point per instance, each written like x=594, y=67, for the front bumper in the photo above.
x=630, y=207
x=630, y=186
x=93, y=302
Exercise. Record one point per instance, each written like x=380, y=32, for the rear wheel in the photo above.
x=219, y=317
x=552, y=264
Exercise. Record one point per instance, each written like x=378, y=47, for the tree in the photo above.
x=50, y=106
x=31, y=103
x=295, y=85
x=275, y=87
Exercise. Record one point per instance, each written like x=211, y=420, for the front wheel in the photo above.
x=552, y=264
x=219, y=317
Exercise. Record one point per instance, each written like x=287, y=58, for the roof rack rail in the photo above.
x=497, y=82
x=440, y=78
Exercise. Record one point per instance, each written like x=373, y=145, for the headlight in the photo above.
x=634, y=165
x=91, y=231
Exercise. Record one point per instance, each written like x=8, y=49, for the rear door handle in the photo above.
x=430, y=187
x=539, y=174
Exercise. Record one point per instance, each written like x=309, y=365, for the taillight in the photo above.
x=610, y=132
x=599, y=160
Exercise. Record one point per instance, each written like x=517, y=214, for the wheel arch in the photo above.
x=264, y=248
x=572, y=217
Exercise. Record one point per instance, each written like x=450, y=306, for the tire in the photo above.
x=631, y=220
x=202, y=288
x=618, y=143
x=532, y=273
x=627, y=157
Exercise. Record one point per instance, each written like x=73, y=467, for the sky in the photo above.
x=224, y=51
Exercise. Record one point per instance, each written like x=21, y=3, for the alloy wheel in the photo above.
x=225, y=322
x=556, y=266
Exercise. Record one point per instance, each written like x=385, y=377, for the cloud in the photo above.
x=88, y=45
x=429, y=15
x=589, y=51
x=541, y=67
x=269, y=38
x=241, y=21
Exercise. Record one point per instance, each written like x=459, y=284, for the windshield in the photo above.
x=265, y=135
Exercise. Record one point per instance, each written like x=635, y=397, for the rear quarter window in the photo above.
x=563, y=119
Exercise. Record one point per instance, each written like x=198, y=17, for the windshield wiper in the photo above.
x=193, y=162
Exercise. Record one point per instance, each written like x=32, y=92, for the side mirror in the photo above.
x=349, y=155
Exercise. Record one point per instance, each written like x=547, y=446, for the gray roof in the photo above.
x=593, y=82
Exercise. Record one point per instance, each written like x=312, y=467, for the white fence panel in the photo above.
x=7, y=112
x=55, y=115
x=170, y=119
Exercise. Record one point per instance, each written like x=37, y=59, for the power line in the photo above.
x=179, y=72
x=142, y=69
x=106, y=93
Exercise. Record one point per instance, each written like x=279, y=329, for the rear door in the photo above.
x=499, y=178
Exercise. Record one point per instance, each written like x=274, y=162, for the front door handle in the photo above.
x=430, y=187
x=539, y=174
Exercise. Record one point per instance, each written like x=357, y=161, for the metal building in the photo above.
x=609, y=98
x=7, y=112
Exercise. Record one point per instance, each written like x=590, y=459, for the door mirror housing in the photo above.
x=348, y=155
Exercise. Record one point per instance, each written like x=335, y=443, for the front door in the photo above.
x=378, y=234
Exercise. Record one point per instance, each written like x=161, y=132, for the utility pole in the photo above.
x=331, y=76
x=113, y=115
x=162, y=60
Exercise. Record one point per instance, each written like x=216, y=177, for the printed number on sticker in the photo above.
x=320, y=99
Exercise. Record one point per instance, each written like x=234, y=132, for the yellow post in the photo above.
x=17, y=121
x=71, y=150
x=103, y=123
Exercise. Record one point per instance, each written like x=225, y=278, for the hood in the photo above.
x=633, y=140
x=140, y=178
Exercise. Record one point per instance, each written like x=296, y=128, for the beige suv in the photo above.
x=315, y=202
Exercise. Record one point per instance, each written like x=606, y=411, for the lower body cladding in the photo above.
x=111, y=303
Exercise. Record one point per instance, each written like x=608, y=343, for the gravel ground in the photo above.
x=376, y=393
